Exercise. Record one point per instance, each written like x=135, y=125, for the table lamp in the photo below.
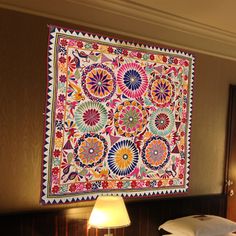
x=109, y=212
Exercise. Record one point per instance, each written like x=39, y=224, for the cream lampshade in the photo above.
x=109, y=212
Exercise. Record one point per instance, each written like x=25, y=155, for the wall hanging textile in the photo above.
x=118, y=118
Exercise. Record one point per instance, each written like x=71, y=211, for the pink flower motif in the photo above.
x=60, y=116
x=61, y=97
x=80, y=186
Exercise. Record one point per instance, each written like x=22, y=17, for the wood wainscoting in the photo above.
x=146, y=215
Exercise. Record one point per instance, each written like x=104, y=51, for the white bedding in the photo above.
x=200, y=225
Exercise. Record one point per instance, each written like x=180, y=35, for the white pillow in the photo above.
x=199, y=225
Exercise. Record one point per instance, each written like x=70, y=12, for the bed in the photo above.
x=147, y=215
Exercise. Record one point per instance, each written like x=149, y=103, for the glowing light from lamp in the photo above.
x=109, y=212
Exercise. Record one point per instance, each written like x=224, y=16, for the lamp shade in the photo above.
x=109, y=212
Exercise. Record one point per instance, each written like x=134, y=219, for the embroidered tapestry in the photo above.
x=117, y=120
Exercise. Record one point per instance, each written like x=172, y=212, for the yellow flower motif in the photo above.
x=58, y=143
x=124, y=158
x=62, y=68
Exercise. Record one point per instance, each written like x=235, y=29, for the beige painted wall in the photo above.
x=23, y=45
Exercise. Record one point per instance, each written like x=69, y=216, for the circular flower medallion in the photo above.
x=123, y=157
x=132, y=80
x=161, y=91
x=98, y=82
x=90, y=150
x=130, y=118
x=156, y=153
x=161, y=121
x=90, y=116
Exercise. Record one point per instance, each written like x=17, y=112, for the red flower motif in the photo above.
x=147, y=183
x=152, y=57
x=58, y=134
x=55, y=189
x=55, y=170
x=80, y=44
x=63, y=42
x=88, y=185
x=125, y=52
x=60, y=116
x=139, y=55
x=56, y=153
x=181, y=176
x=176, y=61
x=63, y=78
x=182, y=133
x=110, y=49
x=159, y=184
x=164, y=59
x=171, y=182
x=119, y=184
x=182, y=162
x=72, y=188
x=95, y=46
x=186, y=63
x=133, y=184
x=104, y=184
x=62, y=60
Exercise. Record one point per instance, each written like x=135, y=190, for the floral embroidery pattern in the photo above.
x=156, y=153
x=132, y=80
x=91, y=150
x=123, y=158
x=130, y=118
x=162, y=121
x=98, y=82
x=90, y=116
x=117, y=118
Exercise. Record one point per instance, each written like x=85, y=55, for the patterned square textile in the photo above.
x=117, y=120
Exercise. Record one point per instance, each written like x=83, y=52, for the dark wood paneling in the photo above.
x=145, y=215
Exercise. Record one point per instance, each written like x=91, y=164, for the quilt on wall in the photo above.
x=118, y=118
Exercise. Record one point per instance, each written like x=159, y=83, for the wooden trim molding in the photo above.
x=137, y=20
